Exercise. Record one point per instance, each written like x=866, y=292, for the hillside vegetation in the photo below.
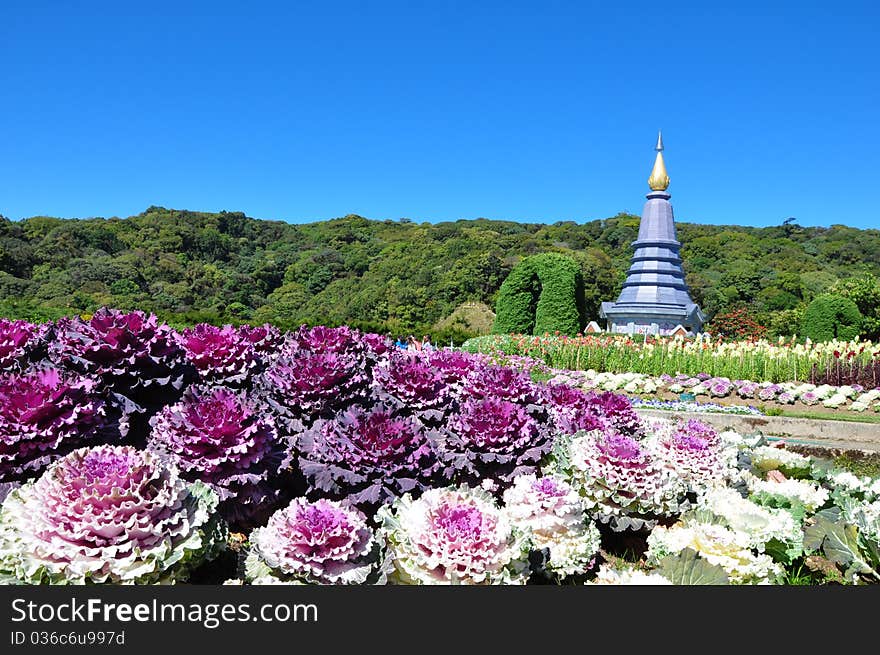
x=390, y=276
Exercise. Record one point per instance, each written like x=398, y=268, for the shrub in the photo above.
x=831, y=317
x=543, y=293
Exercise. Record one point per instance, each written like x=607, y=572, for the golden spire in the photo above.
x=659, y=180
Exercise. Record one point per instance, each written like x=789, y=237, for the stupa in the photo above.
x=655, y=298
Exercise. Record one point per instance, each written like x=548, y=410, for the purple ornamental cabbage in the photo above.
x=492, y=438
x=411, y=383
x=748, y=390
x=367, y=456
x=322, y=542
x=572, y=410
x=617, y=412
x=132, y=352
x=230, y=443
x=303, y=386
x=220, y=355
x=319, y=372
x=264, y=339
x=19, y=340
x=503, y=382
x=769, y=392
x=109, y=514
x=454, y=365
x=44, y=414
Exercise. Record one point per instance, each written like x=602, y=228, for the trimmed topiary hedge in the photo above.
x=830, y=316
x=543, y=293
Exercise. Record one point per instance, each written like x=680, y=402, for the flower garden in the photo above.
x=132, y=453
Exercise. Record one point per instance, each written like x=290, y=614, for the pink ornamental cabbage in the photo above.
x=620, y=478
x=492, y=438
x=133, y=353
x=454, y=365
x=265, y=339
x=19, y=340
x=693, y=452
x=321, y=542
x=368, y=456
x=230, y=443
x=109, y=514
x=219, y=355
x=452, y=536
x=44, y=414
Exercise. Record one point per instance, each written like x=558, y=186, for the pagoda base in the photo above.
x=664, y=321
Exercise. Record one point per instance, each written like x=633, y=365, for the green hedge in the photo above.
x=830, y=316
x=543, y=293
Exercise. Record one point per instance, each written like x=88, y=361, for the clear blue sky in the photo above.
x=530, y=111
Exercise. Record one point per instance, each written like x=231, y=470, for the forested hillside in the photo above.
x=396, y=276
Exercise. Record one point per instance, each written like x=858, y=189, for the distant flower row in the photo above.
x=851, y=397
x=776, y=361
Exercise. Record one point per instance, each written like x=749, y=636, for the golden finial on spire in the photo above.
x=659, y=180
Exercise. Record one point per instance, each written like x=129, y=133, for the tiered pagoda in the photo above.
x=655, y=297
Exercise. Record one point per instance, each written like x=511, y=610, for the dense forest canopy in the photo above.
x=397, y=276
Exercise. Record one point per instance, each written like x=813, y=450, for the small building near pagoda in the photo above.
x=655, y=298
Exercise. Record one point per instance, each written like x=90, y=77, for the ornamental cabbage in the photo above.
x=452, y=536
x=621, y=479
x=265, y=339
x=552, y=515
x=302, y=386
x=717, y=544
x=230, y=443
x=323, y=542
x=44, y=414
x=492, y=438
x=133, y=353
x=504, y=383
x=693, y=452
x=368, y=456
x=572, y=410
x=412, y=383
x=627, y=576
x=109, y=514
x=19, y=341
x=805, y=493
x=769, y=458
x=454, y=365
x=617, y=411
x=761, y=525
x=222, y=355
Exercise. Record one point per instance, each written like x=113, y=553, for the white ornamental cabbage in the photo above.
x=760, y=524
x=627, y=576
x=552, y=515
x=797, y=492
x=729, y=549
